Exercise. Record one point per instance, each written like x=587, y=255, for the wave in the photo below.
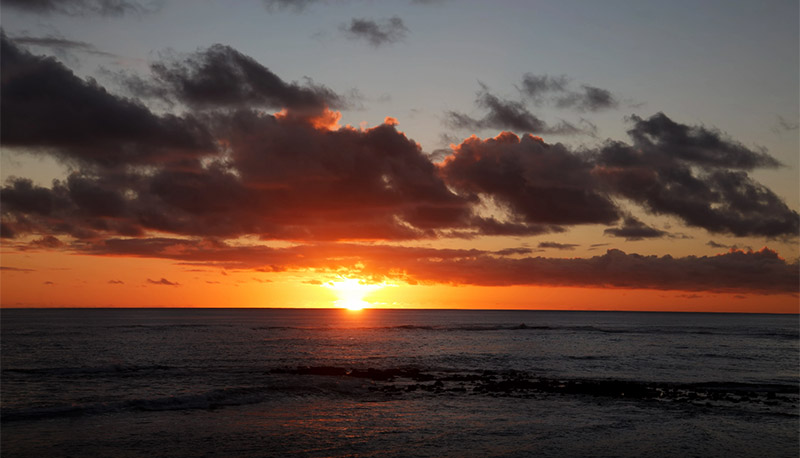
x=548, y=328
x=209, y=400
x=89, y=370
x=520, y=383
x=340, y=381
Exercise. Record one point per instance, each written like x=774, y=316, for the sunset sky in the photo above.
x=614, y=155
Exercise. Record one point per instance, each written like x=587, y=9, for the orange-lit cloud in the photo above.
x=759, y=272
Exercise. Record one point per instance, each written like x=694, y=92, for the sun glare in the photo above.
x=351, y=292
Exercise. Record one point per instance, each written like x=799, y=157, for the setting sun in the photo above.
x=351, y=292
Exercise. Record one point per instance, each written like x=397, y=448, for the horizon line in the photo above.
x=395, y=309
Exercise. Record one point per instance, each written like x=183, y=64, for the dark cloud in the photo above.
x=659, y=137
x=558, y=91
x=163, y=281
x=632, y=229
x=6, y=231
x=685, y=171
x=283, y=179
x=116, y=282
x=295, y=5
x=513, y=251
x=507, y=114
x=49, y=283
x=81, y=207
x=734, y=247
x=590, y=98
x=47, y=241
x=85, y=7
x=558, y=246
x=377, y=33
x=535, y=181
x=15, y=269
x=221, y=77
x=38, y=108
x=539, y=86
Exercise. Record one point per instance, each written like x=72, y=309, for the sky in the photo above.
x=614, y=155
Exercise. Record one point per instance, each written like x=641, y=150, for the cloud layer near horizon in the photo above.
x=219, y=166
x=760, y=272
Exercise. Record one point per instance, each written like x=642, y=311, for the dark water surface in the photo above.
x=319, y=383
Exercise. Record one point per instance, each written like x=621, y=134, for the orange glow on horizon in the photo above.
x=54, y=279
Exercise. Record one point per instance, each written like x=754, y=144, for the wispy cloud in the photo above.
x=86, y=7
x=376, y=32
x=163, y=281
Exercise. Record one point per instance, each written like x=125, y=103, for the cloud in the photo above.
x=38, y=111
x=589, y=99
x=377, y=33
x=49, y=283
x=659, y=136
x=507, y=114
x=61, y=45
x=784, y=125
x=85, y=7
x=558, y=91
x=632, y=229
x=734, y=247
x=760, y=272
x=697, y=175
x=222, y=77
x=284, y=179
x=47, y=241
x=558, y=246
x=295, y=5
x=16, y=269
x=163, y=281
x=539, y=86
x=226, y=169
x=116, y=282
x=513, y=251
x=535, y=181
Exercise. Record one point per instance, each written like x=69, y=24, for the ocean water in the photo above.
x=406, y=383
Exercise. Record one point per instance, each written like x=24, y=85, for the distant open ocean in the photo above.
x=405, y=383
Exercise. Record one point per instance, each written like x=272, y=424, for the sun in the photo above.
x=351, y=292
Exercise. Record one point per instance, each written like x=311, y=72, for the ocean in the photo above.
x=404, y=383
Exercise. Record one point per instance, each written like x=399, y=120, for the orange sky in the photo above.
x=53, y=279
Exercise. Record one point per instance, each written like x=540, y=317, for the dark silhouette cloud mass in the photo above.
x=39, y=100
x=536, y=182
x=221, y=77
